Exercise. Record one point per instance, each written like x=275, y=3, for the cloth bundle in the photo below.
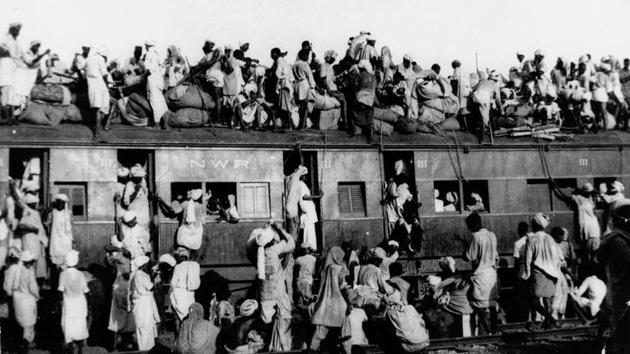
x=189, y=118
x=328, y=119
x=325, y=102
x=385, y=115
x=50, y=93
x=382, y=127
x=435, y=110
x=189, y=96
x=48, y=114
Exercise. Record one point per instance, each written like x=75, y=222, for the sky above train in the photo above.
x=431, y=31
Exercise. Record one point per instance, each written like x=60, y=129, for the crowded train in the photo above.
x=305, y=240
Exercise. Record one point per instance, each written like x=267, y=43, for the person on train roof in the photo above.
x=486, y=93
x=542, y=268
x=482, y=253
x=98, y=93
x=155, y=83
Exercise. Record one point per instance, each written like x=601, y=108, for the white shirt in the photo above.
x=95, y=66
x=152, y=61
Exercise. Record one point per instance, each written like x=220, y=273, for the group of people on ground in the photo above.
x=361, y=90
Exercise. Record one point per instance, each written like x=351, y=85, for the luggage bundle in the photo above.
x=190, y=105
x=50, y=104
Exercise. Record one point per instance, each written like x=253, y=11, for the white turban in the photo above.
x=248, y=307
x=617, y=186
x=542, y=220
x=137, y=171
x=122, y=172
x=447, y=263
x=149, y=43
x=72, y=258
x=140, y=261
x=168, y=259
x=61, y=197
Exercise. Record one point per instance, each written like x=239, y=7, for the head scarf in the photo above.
x=334, y=256
x=137, y=171
x=193, y=332
x=122, y=172
x=400, y=167
x=248, y=307
x=168, y=259
x=330, y=54
x=617, y=187
x=61, y=196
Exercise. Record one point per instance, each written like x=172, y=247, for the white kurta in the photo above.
x=184, y=282
x=8, y=70
x=189, y=233
x=73, y=285
x=36, y=243
x=60, y=235
x=144, y=310
x=136, y=240
x=98, y=94
x=309, y=218
x=155, y=84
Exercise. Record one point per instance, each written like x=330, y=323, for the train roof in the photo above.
x=129, y=136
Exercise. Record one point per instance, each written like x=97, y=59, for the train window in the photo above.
x=568, y=186
x=607, y=182
x=223, y=193
x=351, y=198
x=476, y=197
x=254, y=200
x=77, y=198
x=538, y=195
x=179, y=190
x=446, y=196
x=130, y=157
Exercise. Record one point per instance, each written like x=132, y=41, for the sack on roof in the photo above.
x=137, y=105
x=406, y=125
x=189, y=118
x=431, y=89
x=325, y=102
x=328, y=119
x=47, y=114
x=451, y=124
x=381, y=127
x=51, y=93
x=385, y=115
x=188, y=96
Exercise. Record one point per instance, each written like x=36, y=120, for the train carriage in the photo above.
x=510, y=176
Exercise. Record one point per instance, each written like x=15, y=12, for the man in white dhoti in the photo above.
x=20, y=284
x=184, y=282
x=155, y=82
x=73, y=285
x=10, y=57
x=136, y=195
x=143, y=304
x=135, y=238
x=61, y=239
x=98, y=94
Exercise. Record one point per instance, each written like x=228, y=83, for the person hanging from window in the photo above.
x=191, y=212
x=35, y=241
x=583, y=203
x=475, y=203
x=135, y=196
x=482, y=253
x=452, y=202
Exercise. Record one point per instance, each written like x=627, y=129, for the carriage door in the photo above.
x=399, y=163
x=292, y=160
x=29, y=169
x=145, y=158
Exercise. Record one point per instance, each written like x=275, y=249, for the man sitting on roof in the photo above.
x=247, y=110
